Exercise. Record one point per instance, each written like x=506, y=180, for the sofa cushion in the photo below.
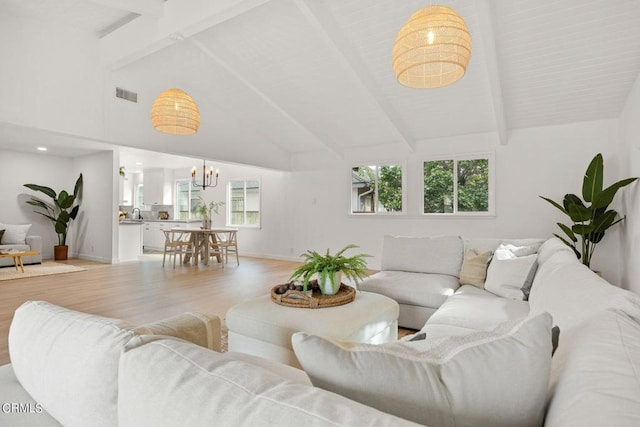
x=477, y=309
x=571, y=293
x=474, y=268
x=68, y=361
x=14, y=234
x=509, y=270
x=550, y=247
x=30, y=413
x=447, y=382
x=171, y=383
x=438, y=255
x=425, y=290
x=595, y=377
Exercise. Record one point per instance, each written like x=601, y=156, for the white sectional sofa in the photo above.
x=76, y=369
x=14, y=237
x=591, y=380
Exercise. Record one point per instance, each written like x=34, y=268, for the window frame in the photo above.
x=378, y=164
x=191, y=215
x=229, y=204
x=491, y=208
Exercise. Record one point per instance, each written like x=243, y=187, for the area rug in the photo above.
x=45, y=269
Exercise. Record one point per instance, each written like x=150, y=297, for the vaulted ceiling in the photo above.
x=278, y=78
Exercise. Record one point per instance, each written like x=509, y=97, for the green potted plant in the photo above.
x=206, y=211
x=60, y=212
x=330, y=268
x=589, y=221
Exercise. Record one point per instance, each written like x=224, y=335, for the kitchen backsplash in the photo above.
x=150, y=214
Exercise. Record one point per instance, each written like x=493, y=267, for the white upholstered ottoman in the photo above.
x=263, y=328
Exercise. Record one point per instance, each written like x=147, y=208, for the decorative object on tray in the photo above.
x=330, y=269
x=589, y=222
x=61, y=212
x=291, y=296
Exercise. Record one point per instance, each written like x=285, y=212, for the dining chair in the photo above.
x=176, y=243
x=227, y=241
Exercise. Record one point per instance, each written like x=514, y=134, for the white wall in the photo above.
x=546, y=161
x=96, y=236
x=17, y=169
x=630, y=152
x=50, y=77
x=272, y=239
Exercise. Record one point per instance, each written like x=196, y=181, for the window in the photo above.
x=139, y=197
x=187, y=199
x=377, y=189
x=458, y=186
x=243, y=201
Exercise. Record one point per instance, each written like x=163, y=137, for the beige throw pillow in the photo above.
x=493, y=378
x=474, y=268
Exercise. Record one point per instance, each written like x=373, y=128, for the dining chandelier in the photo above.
x=432, y=49
x=176, y=113
x=207, y=177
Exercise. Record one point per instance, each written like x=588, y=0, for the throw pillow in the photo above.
x=526, y=288
x=15, y=234
x=488, y=378
x=474, y=268
x=1, y=233
x=509, y=269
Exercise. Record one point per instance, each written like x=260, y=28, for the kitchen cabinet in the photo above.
x=126, y=190
x=158, y=187
x=129, y=242
x=153, y=233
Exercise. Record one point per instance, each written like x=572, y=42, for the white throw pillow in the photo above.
x=14, y=234
x=490, y=378
x=509, y=270
x=68, y=361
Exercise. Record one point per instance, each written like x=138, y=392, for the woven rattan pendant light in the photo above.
x=432, y=49
x=174, y=112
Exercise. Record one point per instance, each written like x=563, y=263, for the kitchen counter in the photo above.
x=130, y=241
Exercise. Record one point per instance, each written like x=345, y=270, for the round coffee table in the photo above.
x=263, y=328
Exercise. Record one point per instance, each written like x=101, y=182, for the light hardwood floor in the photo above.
x=141, y=292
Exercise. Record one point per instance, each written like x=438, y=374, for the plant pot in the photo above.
x=206, y=224
x=60, y=253
x=330, y=284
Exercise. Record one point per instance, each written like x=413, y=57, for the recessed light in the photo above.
x=42, y=148
x=138, y=163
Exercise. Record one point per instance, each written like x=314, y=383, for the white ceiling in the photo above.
x=274, y=78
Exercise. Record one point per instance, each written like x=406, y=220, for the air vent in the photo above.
x=125, y=94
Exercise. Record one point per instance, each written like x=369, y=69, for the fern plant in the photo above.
x=325, y=266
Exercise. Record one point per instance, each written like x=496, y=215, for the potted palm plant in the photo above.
x=589, y=221
x=330, y=268
x=60, y=212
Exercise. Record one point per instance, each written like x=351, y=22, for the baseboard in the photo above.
x=270, y=256
x=94, y=258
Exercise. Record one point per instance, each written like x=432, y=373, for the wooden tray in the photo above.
x=291, y=298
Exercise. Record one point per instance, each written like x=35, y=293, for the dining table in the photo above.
x=200, y=238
